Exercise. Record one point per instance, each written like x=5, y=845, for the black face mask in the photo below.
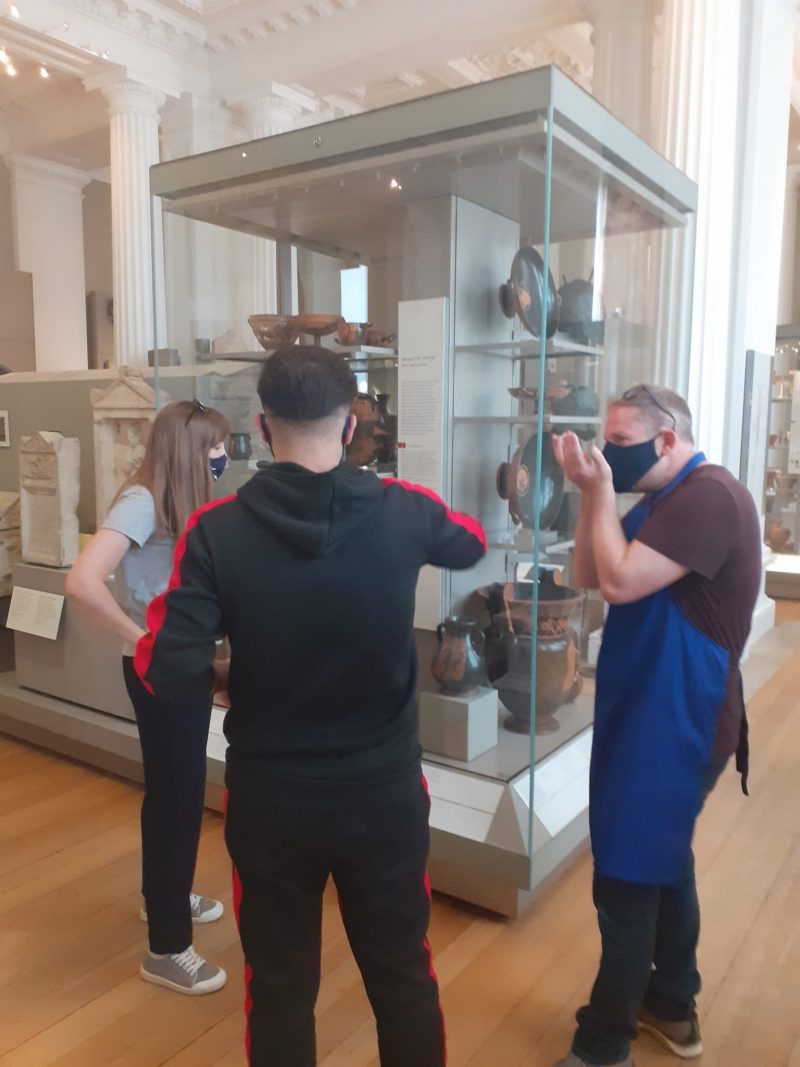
x=218, y=465
x=630, y=463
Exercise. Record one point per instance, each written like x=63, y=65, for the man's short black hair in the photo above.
x=305, y=383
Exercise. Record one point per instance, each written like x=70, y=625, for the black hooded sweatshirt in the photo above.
x=312, y=578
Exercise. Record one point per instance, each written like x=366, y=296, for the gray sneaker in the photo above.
x=204, y=909
x=185, y=972
x=682, y=1038
x=573, y=1060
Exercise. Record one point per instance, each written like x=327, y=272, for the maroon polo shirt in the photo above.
x=710, y=525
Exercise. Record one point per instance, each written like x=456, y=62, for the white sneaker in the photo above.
x=204, y=909
x=185, y=972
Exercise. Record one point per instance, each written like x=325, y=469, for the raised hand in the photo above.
x=587, y=470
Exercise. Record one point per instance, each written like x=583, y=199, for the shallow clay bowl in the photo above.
x=271, y=331
x=318, y=325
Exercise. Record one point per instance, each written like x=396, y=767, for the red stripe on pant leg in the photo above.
x=426, y=944
x=248, y=970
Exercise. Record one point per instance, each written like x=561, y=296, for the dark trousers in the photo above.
x=649, y=937
x=373, y=840
x=173, y=735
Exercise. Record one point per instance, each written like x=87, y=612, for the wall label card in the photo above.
x=35, y=612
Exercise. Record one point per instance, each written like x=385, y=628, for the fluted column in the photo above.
x=265, y=116
x=623, y=33
x=139, y=303
x=697, y=130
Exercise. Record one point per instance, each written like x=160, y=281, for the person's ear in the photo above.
x=350, y=424
x=264, y=427
x=668, y=441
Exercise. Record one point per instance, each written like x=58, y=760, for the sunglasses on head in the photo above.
x=196, y=407
x=642, y=390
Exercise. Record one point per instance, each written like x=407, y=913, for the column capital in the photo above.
x=125, y=93
x=48, y=175
x=265, y=115
x=127, y=97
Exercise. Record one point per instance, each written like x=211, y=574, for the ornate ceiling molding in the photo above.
x=150, y=22
x=32, y=170
x=293, y=19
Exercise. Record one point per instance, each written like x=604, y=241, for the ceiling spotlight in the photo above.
x=4, y=56
x=44, y=72
x=14, y=11
x=244, y=155
x=11, y=70
x=395, y=184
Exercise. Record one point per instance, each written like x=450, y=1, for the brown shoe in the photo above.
x=682, y=1038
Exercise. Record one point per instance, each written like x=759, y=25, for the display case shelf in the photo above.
x=529, y=420
x=558, y=346
x=517, y=541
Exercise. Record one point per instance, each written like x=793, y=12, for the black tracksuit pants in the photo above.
x=285, y=839
x=174, y=736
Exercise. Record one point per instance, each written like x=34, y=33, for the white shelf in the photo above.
x=357, y=352
x=557, y=346
x=529, y=420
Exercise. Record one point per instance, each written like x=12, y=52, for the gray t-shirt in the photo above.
x=145, y=568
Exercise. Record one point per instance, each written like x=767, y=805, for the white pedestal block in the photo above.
x=461, y=727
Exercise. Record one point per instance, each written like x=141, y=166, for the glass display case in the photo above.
x=782, y=486
x=520, y=257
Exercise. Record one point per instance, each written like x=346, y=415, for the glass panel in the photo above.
x=782, y=503
x=465, y=376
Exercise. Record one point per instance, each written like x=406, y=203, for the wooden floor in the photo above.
x=70, y=937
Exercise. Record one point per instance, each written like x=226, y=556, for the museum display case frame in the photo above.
x=529, y=161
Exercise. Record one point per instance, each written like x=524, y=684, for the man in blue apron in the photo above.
x=681, y=574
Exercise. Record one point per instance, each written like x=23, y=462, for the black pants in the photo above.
x=373, y=840
x=173, y=735
x=649, y=935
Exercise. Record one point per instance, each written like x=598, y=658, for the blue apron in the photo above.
x=660, y=687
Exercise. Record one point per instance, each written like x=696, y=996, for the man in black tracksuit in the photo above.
x=311, y=570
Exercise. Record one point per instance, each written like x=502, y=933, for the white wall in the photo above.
x=48, y=238
x=99, y=264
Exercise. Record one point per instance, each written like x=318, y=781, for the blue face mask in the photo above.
x=630, y=463
x=218, y=465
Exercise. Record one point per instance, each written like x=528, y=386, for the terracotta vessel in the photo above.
x=509, y=651
x=352, y=333
x=459, y=666
x=777, y=536
x=272, y=331
x=318, y=326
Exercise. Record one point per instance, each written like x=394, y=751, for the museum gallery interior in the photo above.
x=502, y=218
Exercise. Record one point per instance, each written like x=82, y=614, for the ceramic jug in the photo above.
x=458, y=666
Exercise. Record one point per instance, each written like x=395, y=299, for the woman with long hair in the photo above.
x=185, y=453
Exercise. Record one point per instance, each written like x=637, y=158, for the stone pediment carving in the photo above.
x=128, y=392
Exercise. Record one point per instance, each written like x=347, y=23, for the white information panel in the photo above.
x=422, y=352
x=561, y=791
x=34, y=612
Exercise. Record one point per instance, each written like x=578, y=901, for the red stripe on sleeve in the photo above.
x=466, y=521
x=157, y=609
